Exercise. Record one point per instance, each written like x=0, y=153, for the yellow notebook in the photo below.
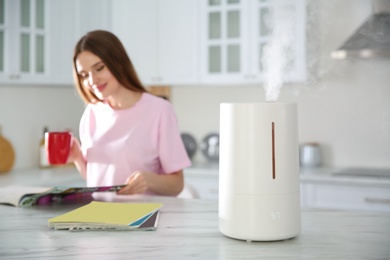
x=108, y=215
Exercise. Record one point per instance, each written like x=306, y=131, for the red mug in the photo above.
x=58, y=145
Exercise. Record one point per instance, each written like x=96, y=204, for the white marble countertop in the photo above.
x=188, y=229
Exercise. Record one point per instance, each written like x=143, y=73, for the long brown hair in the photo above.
x=110, y=50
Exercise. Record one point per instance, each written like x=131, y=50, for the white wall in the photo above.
x=25, y=110
x=346, y=109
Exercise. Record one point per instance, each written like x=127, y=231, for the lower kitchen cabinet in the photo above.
x=328, y=193
x=206, y=184
x=345, y=197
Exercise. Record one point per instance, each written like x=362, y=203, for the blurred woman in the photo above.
x=128, y=136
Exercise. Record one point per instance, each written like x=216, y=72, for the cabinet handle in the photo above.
x=376, y=200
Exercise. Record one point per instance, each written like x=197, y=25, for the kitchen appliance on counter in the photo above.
x=210, y=147
x=259, y=185
x=189, y=144
x=310, y=155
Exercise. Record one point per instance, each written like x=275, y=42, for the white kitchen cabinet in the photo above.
x=206, y=186
x=351, y=197
x=205, y=181
x=62, y=39
x=319, y=189
x=91, y=15
x=160, y=38
x=252, y=41
x=23, y=41
x=37, y=38
x=69, y=21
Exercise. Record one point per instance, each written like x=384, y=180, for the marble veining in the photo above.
x=188, y=229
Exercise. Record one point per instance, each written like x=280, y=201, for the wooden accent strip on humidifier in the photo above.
x=273, y=152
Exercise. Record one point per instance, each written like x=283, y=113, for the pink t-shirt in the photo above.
x=144, y=137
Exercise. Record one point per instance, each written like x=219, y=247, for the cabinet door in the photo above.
x=134, y=22
x=91, y=15
x=252, y=41
x=37, y=37
x=223, y=49
x=277, y=41
x=24, y=32
x=69, y=20
x=177, y=38
x=345, y=197
x=206, y=184
x=62, y=38
x=160, y=38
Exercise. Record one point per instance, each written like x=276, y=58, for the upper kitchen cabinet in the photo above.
x=37, y=38
x=161, y=38
x=252, y=41
x=69, y=21
x=23, y=41
x=62, y=38
x=91, y=15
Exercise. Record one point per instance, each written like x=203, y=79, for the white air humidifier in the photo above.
x=259, y=192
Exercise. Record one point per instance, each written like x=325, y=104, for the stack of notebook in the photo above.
x=109, y=215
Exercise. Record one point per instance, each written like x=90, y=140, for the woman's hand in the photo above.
x=76, y=156
x=75, y=151
x=137, y=183
x=162, y=184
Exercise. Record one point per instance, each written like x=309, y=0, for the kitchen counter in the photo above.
x=188, y=229
x=43, y=177
x=68, y=175
x=327, y=175
x=307, y=175
x=320, y=187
